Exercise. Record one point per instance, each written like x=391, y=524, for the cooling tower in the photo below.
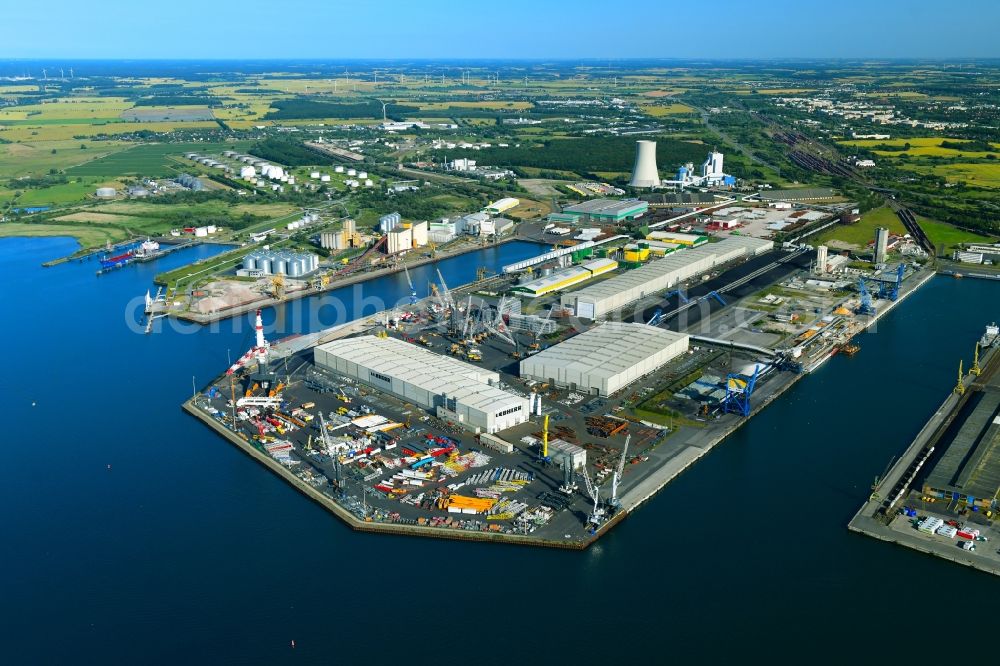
x=644, y=172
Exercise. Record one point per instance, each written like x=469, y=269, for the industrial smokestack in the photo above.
x=644, y=172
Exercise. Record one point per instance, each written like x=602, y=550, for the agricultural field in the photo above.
x=658, y=111
x=974, y=174
x=36, y=158
x=152, y=160
x=919, y=147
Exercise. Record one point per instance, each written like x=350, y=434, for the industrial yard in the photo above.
x=940, y=496
x=488, y=412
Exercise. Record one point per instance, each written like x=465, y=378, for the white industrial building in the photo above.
x=659, y=275
x=454, y=390
x=606, y=358
x=406, y=236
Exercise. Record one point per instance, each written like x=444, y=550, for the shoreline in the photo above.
x=238, y=310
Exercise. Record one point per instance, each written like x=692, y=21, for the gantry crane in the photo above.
x=960, y=386
x=617, y=476
x=975, y=369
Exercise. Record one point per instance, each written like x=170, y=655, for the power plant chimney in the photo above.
x=644, y=172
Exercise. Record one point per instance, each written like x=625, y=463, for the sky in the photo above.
x=518, y=29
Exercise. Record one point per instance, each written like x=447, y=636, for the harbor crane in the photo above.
x=569, y=485
x=738, y=392
x=888, y=288
x=616, y=478
x=413, y=291
x=337, y=476
x=446, y=299
x=597, y=514
x=543, y=451
x=865, y=307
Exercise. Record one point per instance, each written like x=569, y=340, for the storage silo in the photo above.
x=295, y=268
x=280, y=265
x=250, y=262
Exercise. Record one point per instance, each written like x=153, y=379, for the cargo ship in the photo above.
x=117, y=260
x=990, y=336
x=149, y=249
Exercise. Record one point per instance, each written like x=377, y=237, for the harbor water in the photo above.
x=133, y=534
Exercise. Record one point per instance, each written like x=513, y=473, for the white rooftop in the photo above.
x=608, y=349
x=441, y=375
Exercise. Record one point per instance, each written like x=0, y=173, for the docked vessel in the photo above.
x=117, y=260
x=990, y=336
x=147, y=250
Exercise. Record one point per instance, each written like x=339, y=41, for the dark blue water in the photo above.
x=186, y=551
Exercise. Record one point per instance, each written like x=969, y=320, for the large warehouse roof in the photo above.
x=467, y=393
x=609, y=356
x=661, y=274
x=437, y=374
x=607, y=207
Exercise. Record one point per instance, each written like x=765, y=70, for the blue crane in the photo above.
x=680, y=295
x=889, y=289
x=865, y=307
x=738, y=391
x=715, y=295
x=657, y=318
